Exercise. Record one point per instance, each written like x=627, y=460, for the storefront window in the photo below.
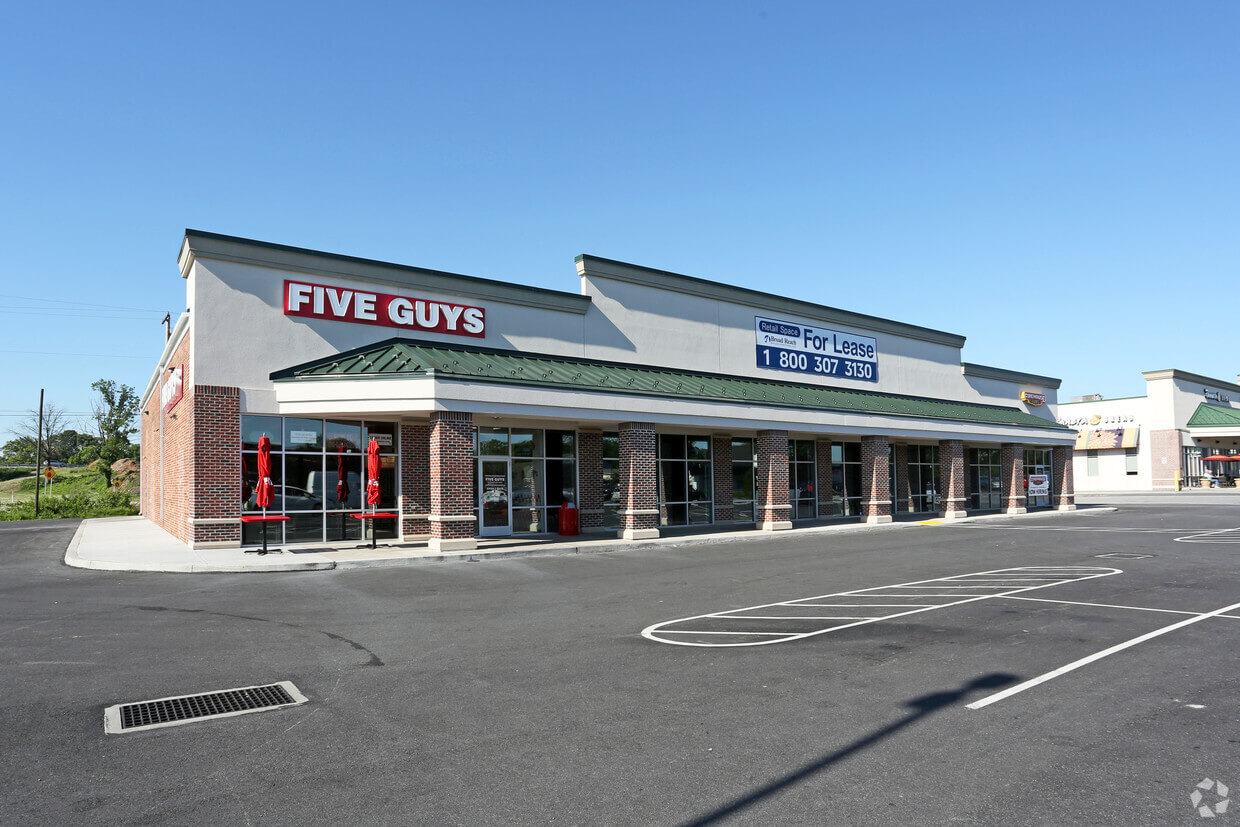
x=801, y=479
x=846, y=478
x=309, y=458
x=744, y=466
x=527, y=474
x=685, y=494
x=923, y=477
x=611, y=480
x=985, y=479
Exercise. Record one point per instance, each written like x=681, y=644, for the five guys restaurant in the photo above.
x=647, y=399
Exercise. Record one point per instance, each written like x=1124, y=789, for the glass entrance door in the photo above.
x=493, y=491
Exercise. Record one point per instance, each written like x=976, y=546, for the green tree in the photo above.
x=114, y=412
x=18, y=451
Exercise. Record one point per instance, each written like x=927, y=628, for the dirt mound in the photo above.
x=125, y=470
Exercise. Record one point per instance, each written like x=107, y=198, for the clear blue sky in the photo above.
x=1056, y=181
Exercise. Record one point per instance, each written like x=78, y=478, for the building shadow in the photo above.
x=919, y=708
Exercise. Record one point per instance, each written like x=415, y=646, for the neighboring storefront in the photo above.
x=1179, y=432
x=648, y=399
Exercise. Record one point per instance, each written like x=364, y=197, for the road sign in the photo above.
x=49, y=473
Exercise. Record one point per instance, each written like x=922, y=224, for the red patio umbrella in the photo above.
x=264, y=491
x=1221, y=458
x=372, y=474
x=342, y=482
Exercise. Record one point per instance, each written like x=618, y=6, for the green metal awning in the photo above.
x=409, y=358
x=1214, y=416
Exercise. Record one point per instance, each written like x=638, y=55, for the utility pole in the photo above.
x=38, y=455
x=167, y=320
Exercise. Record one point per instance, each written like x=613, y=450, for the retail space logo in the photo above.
x=339, y=304
x=1210, y=798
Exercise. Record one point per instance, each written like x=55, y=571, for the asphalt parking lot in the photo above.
x=1007, y=680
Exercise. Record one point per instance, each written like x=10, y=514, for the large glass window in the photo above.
x=611, y=480
x=744, y=467
x=923, y=477
x=846, y=478
x=319, y=472
x=685, y=496
x=542, y=468
x=985, y=479
x=801, y=479
x=1038, y=461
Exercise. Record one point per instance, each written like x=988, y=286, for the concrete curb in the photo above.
x=173, y=557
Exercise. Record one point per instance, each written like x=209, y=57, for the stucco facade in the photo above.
x=278, y=338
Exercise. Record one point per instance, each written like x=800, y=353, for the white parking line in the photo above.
x=1221, y=535
x=1077, y=664
x=1113, y=606
x=708, y=624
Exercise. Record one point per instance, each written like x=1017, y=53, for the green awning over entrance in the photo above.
x=409, y=358
x=1214, y=416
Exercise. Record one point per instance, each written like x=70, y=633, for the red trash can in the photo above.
x=568, y=520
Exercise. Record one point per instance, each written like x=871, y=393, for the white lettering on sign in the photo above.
x=383, y=440
x=1039, y=485
x=320, y=301
x=1215, y=396
x=815, y=350
x=173, y=389
x=303, y=437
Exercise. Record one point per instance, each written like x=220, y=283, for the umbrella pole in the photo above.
x=373, y=535
x=264, y=551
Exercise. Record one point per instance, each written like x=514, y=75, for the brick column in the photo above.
x=1166, y=460
x=590, y=479
x=1012, y=467
x=952, y=491
x=415, y=480
x=639, y=498
x=721, y=454
x=215, y=466
x=822, y=478
x=774, y=509
x=904, y=502
x=452, y=518
x=1065, y=489
x=875, y=479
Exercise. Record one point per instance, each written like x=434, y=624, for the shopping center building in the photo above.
x=647, y=399
x=1157, y=442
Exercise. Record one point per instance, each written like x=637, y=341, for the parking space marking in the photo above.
x=1085, y=661
x=779, y=624
x=1221, y=535
x=1113, y=606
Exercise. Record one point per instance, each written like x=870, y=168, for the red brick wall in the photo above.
x=1166, y=459
x=772, y=482
x=1012, y=466
x=415, y=479
x=1064, y=486
x=876, y=477
x=590, y=479
x=904, y=500
x=826, y=485
x=216, y=466
x=451, y=473
x=638, y=477
x=721, y=450
x=170, y=505
x=953, y=496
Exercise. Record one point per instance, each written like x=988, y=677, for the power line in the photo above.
x=85, y=314
x=50, y=353
x=84, y=304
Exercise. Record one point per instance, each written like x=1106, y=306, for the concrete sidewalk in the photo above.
x=137, y=544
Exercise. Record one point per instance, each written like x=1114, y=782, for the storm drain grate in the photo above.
x=163, y=712
x=1125, y=555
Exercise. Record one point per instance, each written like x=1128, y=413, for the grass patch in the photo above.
x=79, y=505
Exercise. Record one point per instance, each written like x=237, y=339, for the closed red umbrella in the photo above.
x=342, y=481
x=264, y=491
x=372, y=474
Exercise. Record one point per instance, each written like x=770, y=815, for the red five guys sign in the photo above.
x=340, y=304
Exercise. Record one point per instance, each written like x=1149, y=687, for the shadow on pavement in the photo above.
x=920, y=708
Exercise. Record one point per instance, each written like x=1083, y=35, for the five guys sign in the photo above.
x=318, y=301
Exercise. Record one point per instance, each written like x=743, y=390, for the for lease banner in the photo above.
x=342, y=304
x=802, y=348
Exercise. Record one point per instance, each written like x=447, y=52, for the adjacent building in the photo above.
x=1159, y=441
x=646, y=399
